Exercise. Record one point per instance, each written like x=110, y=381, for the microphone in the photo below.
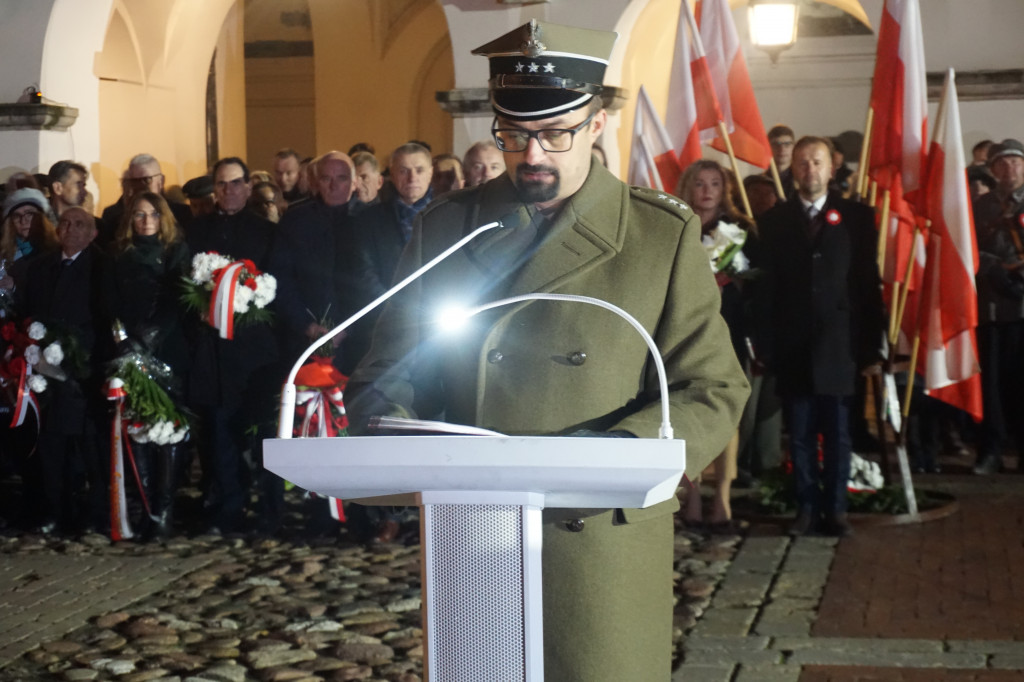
x=286, y=420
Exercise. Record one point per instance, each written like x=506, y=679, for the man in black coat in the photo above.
x=821, y=323
x=63, y=287
x=233, y=382
x=310, y=259
x=380, y=233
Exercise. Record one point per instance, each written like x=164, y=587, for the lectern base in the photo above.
x=482, y=586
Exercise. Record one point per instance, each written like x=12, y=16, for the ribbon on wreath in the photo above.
x=25, y=399
x=323, y=413
x=120, y=529
x=321, y=408
x=222, y=301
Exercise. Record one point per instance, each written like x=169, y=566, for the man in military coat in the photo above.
x=546, y=367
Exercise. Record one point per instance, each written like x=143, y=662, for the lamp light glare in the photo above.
x=773, y=24
x=453, y=318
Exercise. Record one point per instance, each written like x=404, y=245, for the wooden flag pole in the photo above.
x=777, y=179
x=906, y=288
x=894, y=304
x=873, y=194
x=724, y=132
x=883, y=231
x=865, y=150
x=911, y=374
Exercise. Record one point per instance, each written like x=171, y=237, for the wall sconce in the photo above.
x=773, y=25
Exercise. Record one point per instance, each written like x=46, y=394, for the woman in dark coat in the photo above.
x=707, y=188
x=142, y=289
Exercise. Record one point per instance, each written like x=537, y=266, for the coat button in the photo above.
x=494, y=356
x=577, y=357
x=574, y=525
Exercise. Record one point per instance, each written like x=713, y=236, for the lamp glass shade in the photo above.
x=773, y=24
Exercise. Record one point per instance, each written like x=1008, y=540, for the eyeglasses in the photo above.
x=549, y=139
x=22, y=215
x=141, y=216
x=145, y=180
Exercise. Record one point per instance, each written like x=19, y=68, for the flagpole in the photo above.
x=778, y=180
x=865, y=150
x=873, y=194
x=883, y=231
x=906, y=289
x=735, y=169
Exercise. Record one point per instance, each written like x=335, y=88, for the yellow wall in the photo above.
x=647, y=62
x=279, y=90
x=152, y=97
x=378, y=65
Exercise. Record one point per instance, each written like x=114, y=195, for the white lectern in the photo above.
x=481, y=500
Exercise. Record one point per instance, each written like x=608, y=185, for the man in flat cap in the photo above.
x=999, y=226
x=557, y=368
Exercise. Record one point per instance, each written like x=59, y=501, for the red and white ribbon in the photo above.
x=120, y=529
x=316, y=406
x=26, y=400
x=222, y=302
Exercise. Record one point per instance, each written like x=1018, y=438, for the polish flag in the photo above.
x=949, y=305
x=693, y=112
x=732, y=85
x=652, y=159
x=899, y=101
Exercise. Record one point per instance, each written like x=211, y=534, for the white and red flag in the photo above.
x=652, y=159
x=693, y=113
x=731, y=81
x=900, y=105
x=949, y=300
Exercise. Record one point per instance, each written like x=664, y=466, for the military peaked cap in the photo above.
x=541, y=70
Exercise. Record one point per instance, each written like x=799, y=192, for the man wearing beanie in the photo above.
x=555, y=368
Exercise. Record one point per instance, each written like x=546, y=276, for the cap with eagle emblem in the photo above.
x=541, y=70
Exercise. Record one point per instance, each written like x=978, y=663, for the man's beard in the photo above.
x=533, y=191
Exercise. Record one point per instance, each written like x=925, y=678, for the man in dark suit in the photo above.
x=381, y=231
x=232, y=380
x=310, y=258
x=821, y=322
x=61, y=287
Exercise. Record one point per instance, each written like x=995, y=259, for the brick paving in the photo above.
x=43, y=596
x=957, y=578
x=932, y=602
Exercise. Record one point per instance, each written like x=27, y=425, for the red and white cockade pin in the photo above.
x=833, y=217
x=1020, y=219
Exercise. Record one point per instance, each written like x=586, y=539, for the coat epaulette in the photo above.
x=662, y=200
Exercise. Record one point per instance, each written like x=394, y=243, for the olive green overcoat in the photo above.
x=545, y=367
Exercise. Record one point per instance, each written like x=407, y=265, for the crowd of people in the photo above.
x=329, y=229
x=806, y=319
x=803, y=314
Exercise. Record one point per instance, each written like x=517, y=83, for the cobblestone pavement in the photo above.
x=936, y=601
x=210, y=609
